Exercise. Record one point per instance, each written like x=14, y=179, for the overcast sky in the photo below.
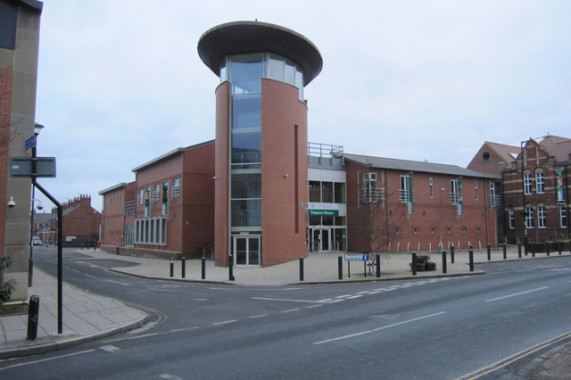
x=120, y=81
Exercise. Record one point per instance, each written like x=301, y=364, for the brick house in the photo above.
x=400, y=205
x=80, y=224
x=491, y=159
x=168, y=211
x=536, y=191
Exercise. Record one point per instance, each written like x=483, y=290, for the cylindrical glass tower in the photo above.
x=261, y=140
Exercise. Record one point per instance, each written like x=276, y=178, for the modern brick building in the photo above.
x=19, y=42
x=261, y=140
x=168, y=211
x=400, y=205
x=536, y=191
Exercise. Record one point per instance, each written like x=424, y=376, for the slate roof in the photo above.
x=414, y=166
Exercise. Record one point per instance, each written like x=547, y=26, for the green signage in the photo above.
x=323, y=212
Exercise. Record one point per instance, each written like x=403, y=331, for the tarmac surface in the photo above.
x=88, y=316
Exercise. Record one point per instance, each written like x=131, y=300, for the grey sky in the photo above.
x=120, y=81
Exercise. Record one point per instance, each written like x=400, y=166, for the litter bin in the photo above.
x=33, y=313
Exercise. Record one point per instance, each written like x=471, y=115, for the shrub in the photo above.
x=6, y=287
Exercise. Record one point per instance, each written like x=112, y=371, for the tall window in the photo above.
x=370, y=189
x=527, y=183
x=539, y=183
x=541, y=217
x=528, y=212
x=431, y=187
x=511, y=218
x=494, y=199
x=407, y=192
x=562, y=217
x=477, y=190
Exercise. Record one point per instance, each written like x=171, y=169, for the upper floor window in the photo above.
x=431, y=187
x=562, y=217
x=370, y=188
x=527, y=183
x=494, y=198
x=476, y=190
x=175, y=190
x=539, y=182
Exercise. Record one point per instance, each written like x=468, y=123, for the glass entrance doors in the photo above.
x=320, y=240
x=246, y=250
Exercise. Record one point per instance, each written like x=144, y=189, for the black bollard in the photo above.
x=378, y=262
x=444, y=268
x=547, y=247
x=203, y=265
x=33, y=313
x=231, y=268
x=532, y=249
x=452, y=254
x=505, y=249
x=518, y=250
x=340, y=267
x=301, y=269
x=471, y=259
x=183, y=267
x=559, y=247
x=489, y=251
x=172, y=267
x=413, y=265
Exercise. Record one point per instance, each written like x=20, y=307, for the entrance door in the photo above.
x=246, y=250
x=321, y=240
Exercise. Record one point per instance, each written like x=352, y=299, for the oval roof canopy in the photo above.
x=242, y=37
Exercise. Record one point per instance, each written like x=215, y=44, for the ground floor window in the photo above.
x=151, y=231
x=129, y=234
x=562, y=217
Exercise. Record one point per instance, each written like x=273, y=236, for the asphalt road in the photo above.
x=418, y=329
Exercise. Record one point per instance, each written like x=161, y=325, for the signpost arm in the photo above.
x=59, y=254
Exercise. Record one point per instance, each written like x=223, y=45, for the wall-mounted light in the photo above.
x=11, y=202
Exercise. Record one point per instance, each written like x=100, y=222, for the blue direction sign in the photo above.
x=30, y=142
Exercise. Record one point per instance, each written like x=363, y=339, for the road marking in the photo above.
x=142, y=336
x=517, y=294
x=289, y=310
x=284, y=300
x=90, y=276
x=46, y=360
x=117, y=282
x=109, y=348
x=258, y=316
x=378, y=328
x=313, y=306
x=168, y=376
x=225, y=322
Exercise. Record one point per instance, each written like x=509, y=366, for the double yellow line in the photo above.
x=514, y=358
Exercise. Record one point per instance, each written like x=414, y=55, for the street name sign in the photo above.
x=356, y=257
x=22, y=167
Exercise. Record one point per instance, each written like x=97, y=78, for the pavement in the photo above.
x=88, y=316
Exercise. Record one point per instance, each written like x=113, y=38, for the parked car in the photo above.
x=36, y=241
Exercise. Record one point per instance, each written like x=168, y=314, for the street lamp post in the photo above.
x=37, y=128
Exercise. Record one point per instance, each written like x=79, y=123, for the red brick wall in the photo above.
x=112, y=218
x=221, y=184
x=6, y=79
x=535, y=158
x=284, y=173
x=198, y=189
x=433, y=220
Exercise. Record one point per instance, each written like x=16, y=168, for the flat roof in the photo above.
x=241, y=37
